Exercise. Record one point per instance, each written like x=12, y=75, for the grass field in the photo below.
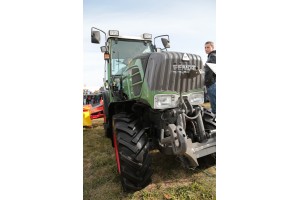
x=169, y=180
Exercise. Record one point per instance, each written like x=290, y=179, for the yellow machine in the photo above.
x=87, y=121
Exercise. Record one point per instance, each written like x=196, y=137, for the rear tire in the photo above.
x=132, y=152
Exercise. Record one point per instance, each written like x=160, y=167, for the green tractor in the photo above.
x=153, y=101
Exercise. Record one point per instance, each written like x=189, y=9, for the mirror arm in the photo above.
x=102, y=32
x=160, y=37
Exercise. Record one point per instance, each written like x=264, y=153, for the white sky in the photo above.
x=188, y=23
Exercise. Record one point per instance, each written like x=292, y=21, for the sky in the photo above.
x=189, y=25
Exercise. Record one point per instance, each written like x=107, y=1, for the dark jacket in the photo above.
x=210, y=76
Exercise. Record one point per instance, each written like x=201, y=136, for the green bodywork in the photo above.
x=119, y=70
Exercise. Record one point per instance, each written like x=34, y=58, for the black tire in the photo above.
x=209, y=120
x=132, y=152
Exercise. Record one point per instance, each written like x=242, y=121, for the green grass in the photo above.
x=169, y=180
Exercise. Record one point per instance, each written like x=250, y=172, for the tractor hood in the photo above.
x=166, y=71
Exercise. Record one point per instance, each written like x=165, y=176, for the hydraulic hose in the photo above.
x=197, y=115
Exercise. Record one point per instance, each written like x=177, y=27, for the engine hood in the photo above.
x=166, y=70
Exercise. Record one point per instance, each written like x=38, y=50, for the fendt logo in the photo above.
x=184, y=67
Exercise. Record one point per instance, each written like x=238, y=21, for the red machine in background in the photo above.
x=95, y=104
x=97, y=110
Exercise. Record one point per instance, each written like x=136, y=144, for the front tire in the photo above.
x=132, y=152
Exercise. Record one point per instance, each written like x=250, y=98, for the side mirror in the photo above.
x=95, y=37
x=165, y=42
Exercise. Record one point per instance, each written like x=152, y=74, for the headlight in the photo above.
x=196, y=98
x=162, y=101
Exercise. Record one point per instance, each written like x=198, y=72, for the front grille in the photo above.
x=162, y=76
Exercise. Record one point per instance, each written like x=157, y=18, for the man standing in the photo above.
x=210, y=76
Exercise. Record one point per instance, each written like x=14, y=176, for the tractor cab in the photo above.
x=119, y=50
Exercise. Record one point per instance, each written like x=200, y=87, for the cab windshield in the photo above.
x=122, y=52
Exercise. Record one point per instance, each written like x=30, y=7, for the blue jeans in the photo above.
x=211, y=91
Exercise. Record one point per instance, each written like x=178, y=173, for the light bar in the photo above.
x=113, y=33
x=147, y=36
